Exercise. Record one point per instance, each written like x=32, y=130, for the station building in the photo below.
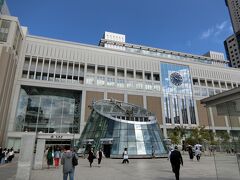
x=56, y=82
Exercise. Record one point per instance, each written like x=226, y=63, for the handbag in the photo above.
x=74, y=160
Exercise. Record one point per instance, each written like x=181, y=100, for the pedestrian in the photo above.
x=1, y=155
x=153, y=152
x=6, y=155
x=91, y=156
x=100, y=155
x=169, y=152
x=57, y=154
x=67, y=162
x=50, y=156
x=125, y=156
x=11, y=155
x=190, y=152
x=198, y=153
x=176, y=160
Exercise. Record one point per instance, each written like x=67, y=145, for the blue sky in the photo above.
x=192, y=26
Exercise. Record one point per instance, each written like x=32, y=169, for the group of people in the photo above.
x=91, y=156
x=194, y=151
x=53, y=155
x=100, y=155
x=6, y=155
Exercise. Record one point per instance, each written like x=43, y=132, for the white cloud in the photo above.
x=222, y=25
x=207, y=34
x=216, y=30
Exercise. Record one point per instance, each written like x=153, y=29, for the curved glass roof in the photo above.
x=118, y=110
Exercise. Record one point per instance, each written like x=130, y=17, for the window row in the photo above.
x=206, y=92
x=122, y=83
x=214, y=83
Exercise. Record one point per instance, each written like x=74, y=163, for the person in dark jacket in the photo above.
x=66, y=161
x=176, y=160
x=190, y=152
x=91, y=156
x=1, y=154
x=49, y=157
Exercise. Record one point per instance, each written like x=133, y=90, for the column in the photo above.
x=39, y=156
x=25, y=160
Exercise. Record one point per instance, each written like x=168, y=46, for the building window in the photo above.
x=4, y=29
x=120, y=83
x=139, y=85
x=211, y=92
x=148, y=86
x=195, y=82
x=204, y=92
x=110, y=81
x=176, y=116
x=130, y=84
x=157, y=87
x=89, y=79
x=192, y=111
x=167, y=110
x=100, y=81
x=184, y=111
x=48, y=110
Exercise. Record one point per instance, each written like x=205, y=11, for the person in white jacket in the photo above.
x=125, y=156
x=100, y=155
x=198, y=153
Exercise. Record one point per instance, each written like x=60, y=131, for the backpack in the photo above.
x=74, y=160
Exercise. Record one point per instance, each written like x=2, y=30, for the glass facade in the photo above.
x=177, y=90
x=48, y=110
x=125, y=126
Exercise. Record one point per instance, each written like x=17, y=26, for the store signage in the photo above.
x=56, y=136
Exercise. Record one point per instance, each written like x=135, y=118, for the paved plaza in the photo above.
x=140, y=169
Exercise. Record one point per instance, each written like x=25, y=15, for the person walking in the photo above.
x=153, y=152
x=1, y=155
x=176, y=160
x=125, y=156
x=11, y=155
x=100, y=155
x=198, y=153
x=50, y=156
x=67, y=162
x=91, y=156
x=190, y=152
x=6, y=155
x=57, y=153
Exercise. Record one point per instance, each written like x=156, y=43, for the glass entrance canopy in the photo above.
x=121, y=125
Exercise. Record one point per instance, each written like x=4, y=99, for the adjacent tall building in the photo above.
x=11, y=40
x=232, y=43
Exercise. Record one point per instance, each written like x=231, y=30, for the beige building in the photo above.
x=57, y=81
x=11, y=39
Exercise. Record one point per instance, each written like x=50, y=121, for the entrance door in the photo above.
x=107, y=150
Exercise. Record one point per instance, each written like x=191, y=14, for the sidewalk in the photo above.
x=144, y=169
x=8, y=171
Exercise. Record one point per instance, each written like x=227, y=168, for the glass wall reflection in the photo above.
x=177, y=94
x=48, y=110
